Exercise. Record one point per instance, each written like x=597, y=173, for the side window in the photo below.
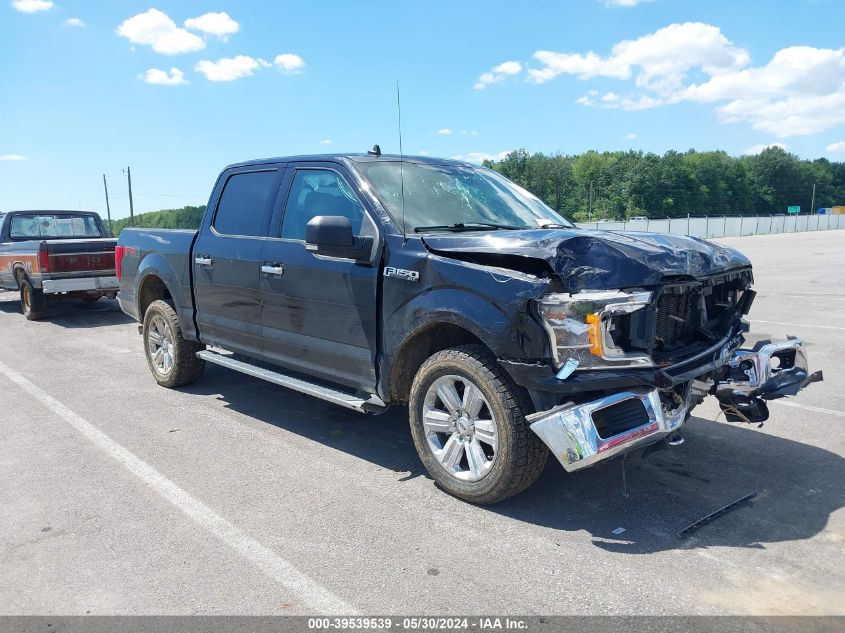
x=319, y=192
x=245, y=204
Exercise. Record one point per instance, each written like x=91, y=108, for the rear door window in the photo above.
x=246, y=204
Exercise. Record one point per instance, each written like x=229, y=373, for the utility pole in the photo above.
x=108, y=208
x=813, y=201
x=590, y=210
x=131, y=205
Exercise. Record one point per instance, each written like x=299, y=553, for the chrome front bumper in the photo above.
x=770, y=370
x=571, y=433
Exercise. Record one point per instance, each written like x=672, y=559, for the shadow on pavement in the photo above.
x=381, y=439
x=798, y=486
x=71, y=313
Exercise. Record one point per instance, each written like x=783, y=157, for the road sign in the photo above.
x=793, y=209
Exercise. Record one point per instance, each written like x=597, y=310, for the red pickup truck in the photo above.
x=55, y=254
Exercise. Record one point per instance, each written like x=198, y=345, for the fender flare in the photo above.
x=156, y=265
x=17, y=267
x=460, y=307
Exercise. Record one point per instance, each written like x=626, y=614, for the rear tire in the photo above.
x=475, y=443
x=171, y=358
x=33, y=301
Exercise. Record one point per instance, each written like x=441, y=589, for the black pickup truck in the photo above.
x=373, y=280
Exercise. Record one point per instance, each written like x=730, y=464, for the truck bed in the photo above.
x=80, y=257
x=171, y=249
x=65, y=260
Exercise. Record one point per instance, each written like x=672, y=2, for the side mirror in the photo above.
x=331, y=235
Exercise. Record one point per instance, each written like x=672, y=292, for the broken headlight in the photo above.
x=597, y=329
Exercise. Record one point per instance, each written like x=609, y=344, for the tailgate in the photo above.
x=80, y=258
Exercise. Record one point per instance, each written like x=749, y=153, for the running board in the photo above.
x=342, y=398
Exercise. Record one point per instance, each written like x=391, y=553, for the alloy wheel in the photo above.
x=160, y=345
x=460, y=428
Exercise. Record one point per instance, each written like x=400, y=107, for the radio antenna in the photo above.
x=401, y=161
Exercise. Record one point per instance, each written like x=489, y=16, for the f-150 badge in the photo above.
x=401, y=273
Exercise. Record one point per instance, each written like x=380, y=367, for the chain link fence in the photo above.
x=726, y=226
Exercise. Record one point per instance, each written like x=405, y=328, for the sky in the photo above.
x=179, y=90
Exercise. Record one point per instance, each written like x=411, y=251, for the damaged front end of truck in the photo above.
x=641, y=328
x=580, y=435
x=669, y=329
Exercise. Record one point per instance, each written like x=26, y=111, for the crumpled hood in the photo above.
x=596, y=259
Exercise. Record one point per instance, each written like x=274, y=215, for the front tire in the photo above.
x=468, y=423
x=33, y=301
x=171, y=358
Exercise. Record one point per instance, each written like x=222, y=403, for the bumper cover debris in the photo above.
x=768, y=371
x=581, y=435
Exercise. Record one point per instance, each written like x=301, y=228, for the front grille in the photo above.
x=621, y=417
x=696, y=312
x=675, y=319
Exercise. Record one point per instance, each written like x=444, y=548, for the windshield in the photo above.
x=440, y=197
x=53, y=226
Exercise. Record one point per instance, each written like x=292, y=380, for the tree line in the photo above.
x=619, y=185
x=184, y=218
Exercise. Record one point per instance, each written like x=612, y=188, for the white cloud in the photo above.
x=155, y=28
x=326, y=141
x=487, y=79
x=642, y=102
x=217, y=24
x=631, y=136
x=444, y=131
x=230, y=68
x=469, y=132
x=423, y=152
x=658, y=62
x=480, y=157
x=622, y=3
x=32, y=6
x=756, y=149
x=587, y=99
x=160, y=77
x=801, y=90
x=508, y=68
x=73, y=22
x=289, y=63
x=498, y=74
x=13, y=157
x=836, y=147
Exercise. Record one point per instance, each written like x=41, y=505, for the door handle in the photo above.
x=203, y=261
x=273, y=269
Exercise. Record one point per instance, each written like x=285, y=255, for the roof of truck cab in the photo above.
x=54, y=211
x=357, y=158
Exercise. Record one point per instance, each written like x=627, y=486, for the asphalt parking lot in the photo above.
x=235, y=496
